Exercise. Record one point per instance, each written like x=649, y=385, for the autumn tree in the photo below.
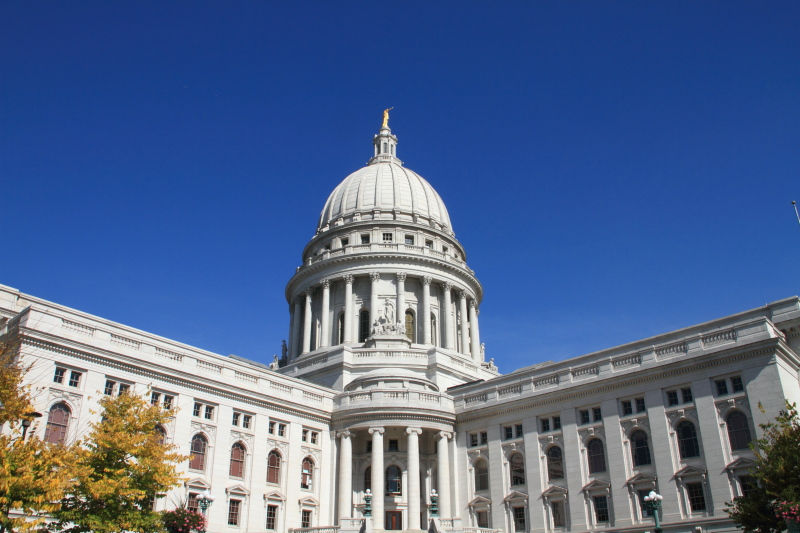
x=123, y=465
x=777, y=471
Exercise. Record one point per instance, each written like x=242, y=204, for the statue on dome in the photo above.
x=386, y=117
x=284, y=349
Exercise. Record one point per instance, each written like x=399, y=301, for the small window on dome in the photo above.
x=445, y=249
x=410, y=240
x=387, y=237
x=365, y=238
x=429, y=243
x=345, y=241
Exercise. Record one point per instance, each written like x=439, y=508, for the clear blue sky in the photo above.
x=615, y=170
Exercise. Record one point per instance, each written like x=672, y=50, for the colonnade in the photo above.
x=378, y=476
x=302, y=314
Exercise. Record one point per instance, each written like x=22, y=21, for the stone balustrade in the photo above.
x=401, y=398
x=378, y=247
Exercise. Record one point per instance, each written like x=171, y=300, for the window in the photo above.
x=369, y=446
x=584, y=417
x=274, y=467
x=365, y=238
x=640, y=407
x=629, y=405
x=484, y=438
x=736, y=384
x=627, y=408
x=545, y=422
x=209, y=412
x=237, y=460
x=155, y=397
x=748, y=484
x=687, y=440
x=165, y=400
x=600, y=509
x=344, y=241
x=557, y=508
x=57, y=424
x=409, y=239
x=556, y=423
x=481, y=475
x=307, y=474
x=687, y=395
x=517, y=467
x=393, y=445
x=508, y=431
x=368, y=478
x=233, y=512
x=518, y=430
x=738, y=431
x=198, y=459
x=672, y=398
x=109, y=388
x=58, y=377
x=445, y=249
x=123, y=388
x=482, y=519
x=281, y=430
x=597, y=414
x=387, y=237
x=196, y=409
x=314, y=436
x=555, y=463
x=428, y=243
x=410, y=326
x=697, y=497
x=305, y=518
x=162, y=435
x=597, y=456
x=646, y=508
x=363, y=325
x=236, y=418
x=74, y=378
x=246, y=420
x=519, y=519
x=341, y=328
x=394, y=480
x=473, y=439
x=722, y=387
x=192, y=504
x=434, y=332
x=304, y=438
x=272, y=516
x=640, y=448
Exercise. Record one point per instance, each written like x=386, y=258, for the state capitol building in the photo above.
x=383, y=387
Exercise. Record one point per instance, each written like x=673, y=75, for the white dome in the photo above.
x=386, y=186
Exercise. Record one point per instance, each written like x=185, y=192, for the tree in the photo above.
x=777, y=471
x=122, y=467
x=34, y=475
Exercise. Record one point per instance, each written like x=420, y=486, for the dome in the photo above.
x=388, y=187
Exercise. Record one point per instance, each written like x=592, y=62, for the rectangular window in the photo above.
x=236, y=417
x=192, y=504
x=518, y=430
x=271, y=428
x=387, y=237
x=640, y=407
x=645, y=507
x=109, y=388
x=123, y=388
x=722, y=387
x=304, y=436
x=672, y=398
x=600, y=509
x=314, y=435
x=473, y=439
x=429, y=244
x=597, y=414
x=584, y=416
x=484, y=437
x=557, y=509
x=233, y=512
x=736, y=384
x=482, y=518
x=508, y=432
x=58, y=377
x=627, y=408
x=305, y=518
x=167, y=403
x=246, y=421
x=209, y=413
x=369, y=446
x=748, y=484
x=281, y=430
x=155, y=397
x=687, y=395
x=365, y=238
x=272, y=516
x=74, y=379
x=344, y=241
x=445, y=249
x=556, y=423
x=393, y=445
x=697, y=497
x=197, y=408
x=545, y=422
x=519, y=519
x=410, y=240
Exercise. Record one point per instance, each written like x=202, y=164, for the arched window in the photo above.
x=481, y=475
x=597, y=456
x=368, y=478
x=237, y=460
x=411, y=331
x=162, y=435
x=738, y=430
x=363, y=325
x=517, y=467
x=640, y=448
x=198, y=460
x=341, y=328
x=394, y=480
x=687, y=440
x=434, y=339
x=307, y=474
x=274, y=467
x=555, y=463
x=57, y=424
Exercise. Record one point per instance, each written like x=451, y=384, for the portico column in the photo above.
x=401, y=299
x=475, y=335
x=345, y=475
x=413, y=478
x=462, y=314
x=375, y=277
x=307, y=323
x=298, y=312
x=443, y=463
x=425, y=317
x=325, y=330
x=447, y=320
x=348, y=308
x=378, y=489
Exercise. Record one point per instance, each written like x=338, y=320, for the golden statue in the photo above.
x=386, y=117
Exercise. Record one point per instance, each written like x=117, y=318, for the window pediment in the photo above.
x=690, y=470
x=198, y=483
x=642, y=479
x=237, y=489
x=555, y=490
x=597, y=485
x=515, y=496
x=309, y=500
x=479, y=500
x=741, y=462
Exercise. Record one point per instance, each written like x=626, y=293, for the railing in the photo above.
x=352, y=523
x=384, y=247
x=393, y=397
x=323, y=529
x=480, y=530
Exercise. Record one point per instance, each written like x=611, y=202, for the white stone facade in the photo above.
x=384, y=384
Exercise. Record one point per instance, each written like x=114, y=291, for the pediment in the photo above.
x=479, y=500
x=275, y=495
x=237, y=489
x=642, y=478
x=309, y=500
x=555, y=490
x=515, y=495
x=198, y=483
x=741, y=462
x=690, y=470
x=597, y=484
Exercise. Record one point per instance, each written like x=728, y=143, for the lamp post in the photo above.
x=26, y=422
x=434, y=504
x=654, y=499
x=367, y=503
x=204, y=500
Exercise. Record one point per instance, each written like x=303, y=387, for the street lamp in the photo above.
x=26, y=422
x=434, y=504
x=204, y=500
x=367, y=502
x=654, y=500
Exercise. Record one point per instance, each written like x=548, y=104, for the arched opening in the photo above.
x=517, y=467
x=340, y=328
x=481, y=475
x=237, y=460
x=161, y=435
x=198, y=460
x=411, y=330
x=640, y=448
x=57, y=424
x=394, y=480
x=273, y=467
x=363, y=325
x=555, y=463
x=434, y=332
x=307, y=474
x=738, y=430
x=687, y=440
x=596, y=456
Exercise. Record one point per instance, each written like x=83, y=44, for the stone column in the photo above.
x=374, y=306
x=298, y=313
x=307, y=323
x=443, y=462
x=401, y=298
x=378, y=483
x=290, y=338
x=425, y=314
x=348, y=308
x=325, y=330
x=345, y=475
x=462, y=314
x=475, y=335
x=413, y=478
x=447, y=319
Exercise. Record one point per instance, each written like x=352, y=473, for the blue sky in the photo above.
x=615, y=170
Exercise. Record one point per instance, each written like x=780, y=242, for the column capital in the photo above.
x=378, y=430
x=326, y=283
x=446, y=286
x=344, y=434
x=401, y=276
x=348, y=278
x=473, y=303
x=444, y=435
x=308, y=292
x=375, y=276
x=414, y=431
x=426, y=280
x=462, y=294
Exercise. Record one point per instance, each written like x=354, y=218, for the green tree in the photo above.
x=777, y=472
x=123, y=465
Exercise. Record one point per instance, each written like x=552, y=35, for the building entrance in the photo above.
x=394, y=520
